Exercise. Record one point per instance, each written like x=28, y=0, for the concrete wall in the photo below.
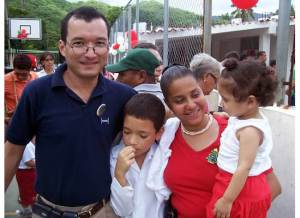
x=283, y=159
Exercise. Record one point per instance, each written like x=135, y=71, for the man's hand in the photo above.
x=222, y=208
x=124, y=161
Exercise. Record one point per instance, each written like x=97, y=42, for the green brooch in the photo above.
x=213, y=156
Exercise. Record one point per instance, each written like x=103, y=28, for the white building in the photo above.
x=257, y=35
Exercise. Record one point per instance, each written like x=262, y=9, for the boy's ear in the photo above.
x=159, y=133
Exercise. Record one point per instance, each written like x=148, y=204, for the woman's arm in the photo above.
x=250, y=139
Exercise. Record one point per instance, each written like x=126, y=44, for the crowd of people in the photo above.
x=146, y=145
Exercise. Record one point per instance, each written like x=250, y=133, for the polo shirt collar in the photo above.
x=58, y=81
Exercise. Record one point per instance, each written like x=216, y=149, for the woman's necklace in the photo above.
x=200, y=131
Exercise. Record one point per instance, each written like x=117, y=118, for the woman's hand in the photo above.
x=222, y=208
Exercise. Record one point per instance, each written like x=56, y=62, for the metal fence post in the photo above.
x=129, y=27
x=124, y=25
x=165, y=39
x=282, y=44
x=137, y=18
x=207, y=26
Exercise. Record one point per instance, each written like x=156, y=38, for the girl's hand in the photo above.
x=124, y=161
x=222, y=208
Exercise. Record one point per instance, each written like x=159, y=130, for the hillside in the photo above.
x=52, y=11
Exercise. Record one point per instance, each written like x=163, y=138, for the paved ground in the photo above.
x=11, y=200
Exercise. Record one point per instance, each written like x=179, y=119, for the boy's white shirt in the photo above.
x=133, y=201
x=28, y=154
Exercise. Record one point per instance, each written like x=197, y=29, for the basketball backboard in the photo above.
x=32, y=28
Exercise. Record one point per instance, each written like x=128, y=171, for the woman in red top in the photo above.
x=191, y=169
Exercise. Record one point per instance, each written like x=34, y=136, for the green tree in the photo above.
x=152, y=12
x=292, y=11
x=246, y=15
x=51, y=13
x=223, y=19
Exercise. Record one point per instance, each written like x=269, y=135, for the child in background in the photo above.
x=26, y=179
x=130, y=160
x=241, y=188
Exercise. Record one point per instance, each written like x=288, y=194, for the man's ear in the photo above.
x=159, y=133
x=62, y=47
x=142, y=76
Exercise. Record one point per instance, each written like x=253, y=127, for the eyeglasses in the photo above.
x=81, y=48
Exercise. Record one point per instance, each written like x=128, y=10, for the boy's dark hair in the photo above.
x=45, y=55
x=146, y=106
x=171, y=73
x=247, y=78
x=260, y=53
x=22, y=62
x=232, y=54
x=272, y=62
x=85, y=13
x=146, y=45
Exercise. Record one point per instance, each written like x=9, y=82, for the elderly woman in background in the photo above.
x=47, y=62
x=206, y=70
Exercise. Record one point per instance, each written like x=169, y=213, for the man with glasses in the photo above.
x=75, y=114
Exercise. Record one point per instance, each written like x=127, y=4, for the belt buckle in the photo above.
x=103, y=202
x=67, y=214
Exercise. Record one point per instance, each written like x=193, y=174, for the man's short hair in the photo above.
x=146, y=45
x=273, y=63
x=202, y=63
x=232, y=54
x=260, y=53
x=22, y=62
x=146, y=106
x=83, y=13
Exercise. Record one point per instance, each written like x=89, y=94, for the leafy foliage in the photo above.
x=152, y=12
x=246, y=15
x=223, y=19
x=51, y=13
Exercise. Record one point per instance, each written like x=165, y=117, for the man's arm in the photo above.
x=13, y=156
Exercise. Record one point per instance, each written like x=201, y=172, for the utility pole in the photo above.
x=207, y=26
x=8, y=39
x=282, y=47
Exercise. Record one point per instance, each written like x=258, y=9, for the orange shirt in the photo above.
x=14, y=89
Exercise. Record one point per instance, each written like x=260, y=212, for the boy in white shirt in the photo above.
x=25, y=177
x=130, y=160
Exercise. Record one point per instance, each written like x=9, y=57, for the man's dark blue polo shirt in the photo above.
x=72, y=143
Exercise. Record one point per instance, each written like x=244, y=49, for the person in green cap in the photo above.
x=136, y=68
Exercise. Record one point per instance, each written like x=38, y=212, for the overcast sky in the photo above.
x=218, y=6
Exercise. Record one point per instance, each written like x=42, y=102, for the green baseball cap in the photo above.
x=136, y=59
